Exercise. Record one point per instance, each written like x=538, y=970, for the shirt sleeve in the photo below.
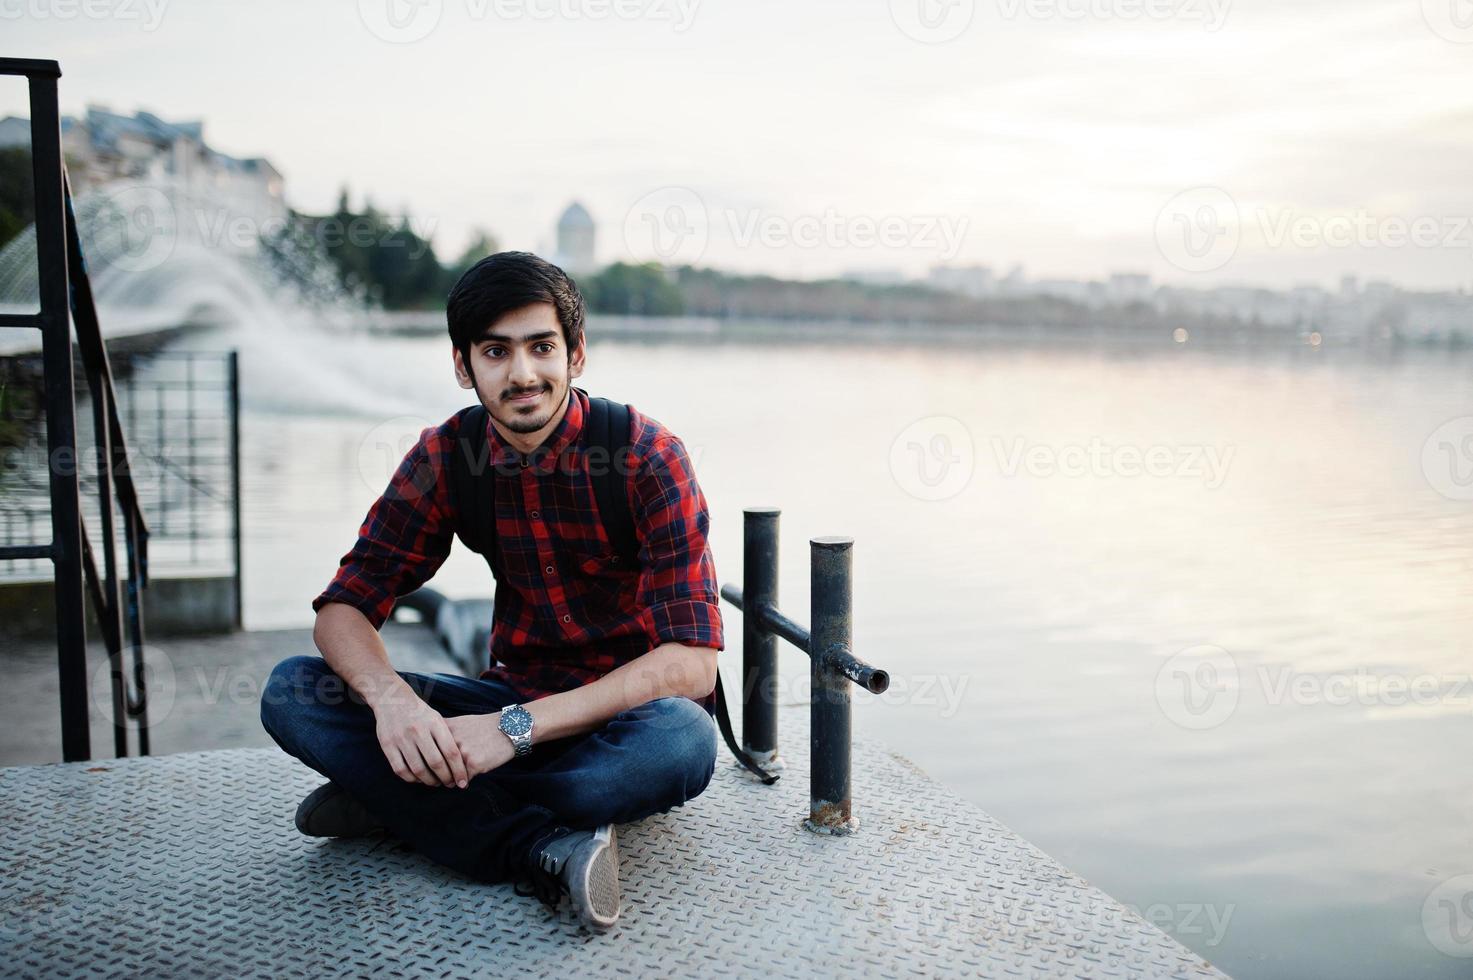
x=402, y=542
x=678, y=594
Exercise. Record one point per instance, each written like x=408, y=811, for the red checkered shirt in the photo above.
x=566, y=613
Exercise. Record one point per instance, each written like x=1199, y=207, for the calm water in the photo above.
x=1197, y=624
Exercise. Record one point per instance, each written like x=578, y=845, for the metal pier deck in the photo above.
x=188, y=864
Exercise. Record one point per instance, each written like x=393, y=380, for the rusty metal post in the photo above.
x=829, y=726
x=759, y=645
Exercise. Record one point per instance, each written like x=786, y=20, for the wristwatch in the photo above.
x=516, y=722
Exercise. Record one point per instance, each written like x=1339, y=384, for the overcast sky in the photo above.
x=1201, y=141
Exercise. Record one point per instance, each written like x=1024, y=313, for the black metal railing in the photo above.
x=181, y=417
x=66, y=300
x=832, y=664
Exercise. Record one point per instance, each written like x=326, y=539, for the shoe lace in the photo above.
x=544, y=873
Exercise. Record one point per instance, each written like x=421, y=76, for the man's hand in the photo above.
x=482, y=743
x=418, y=742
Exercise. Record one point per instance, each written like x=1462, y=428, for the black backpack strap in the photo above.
x=608, y=439
x=723, y=722
x=472, y=491
x=608, y=432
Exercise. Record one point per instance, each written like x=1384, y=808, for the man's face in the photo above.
x=521, y=366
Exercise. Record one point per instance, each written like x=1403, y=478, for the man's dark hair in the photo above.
x=507, y=281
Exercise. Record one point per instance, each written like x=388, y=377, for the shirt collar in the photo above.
x=557, y=442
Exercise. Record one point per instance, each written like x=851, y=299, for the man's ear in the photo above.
x=461, y=377
x=575, y=363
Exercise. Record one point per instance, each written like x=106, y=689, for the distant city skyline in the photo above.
x=1259, y=145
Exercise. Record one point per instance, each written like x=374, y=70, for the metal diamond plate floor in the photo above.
x=189, y=864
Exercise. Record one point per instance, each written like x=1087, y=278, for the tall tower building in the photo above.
x=575, y=240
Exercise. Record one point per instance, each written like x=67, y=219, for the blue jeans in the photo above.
x=645, y=760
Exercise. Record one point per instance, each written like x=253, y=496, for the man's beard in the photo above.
x=522, y=424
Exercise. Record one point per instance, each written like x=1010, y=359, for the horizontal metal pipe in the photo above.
x=40, y=67
x=872, y=679
x=25, y=551
x=775, y=622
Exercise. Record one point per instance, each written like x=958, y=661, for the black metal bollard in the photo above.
x=832, y=664
x=829, y=727
x=759, y=645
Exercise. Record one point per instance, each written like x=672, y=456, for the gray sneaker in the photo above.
x=584, y=865
x=328, y=811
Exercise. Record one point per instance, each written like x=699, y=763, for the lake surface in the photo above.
x=1196, y=623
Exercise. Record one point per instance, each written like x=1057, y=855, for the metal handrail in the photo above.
x=66, y=300
x=833, y=665
x=840, y=658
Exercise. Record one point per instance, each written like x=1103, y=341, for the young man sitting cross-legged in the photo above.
x=597, y=706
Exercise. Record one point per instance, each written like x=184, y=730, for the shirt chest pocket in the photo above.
x=603, y=573
x=600, y=564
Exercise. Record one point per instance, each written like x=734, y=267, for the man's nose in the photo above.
x=523, y=372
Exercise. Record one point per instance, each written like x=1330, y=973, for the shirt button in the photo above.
x=567, y=619
x=535, y=515
x=549, y=569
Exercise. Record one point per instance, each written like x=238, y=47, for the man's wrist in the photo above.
x=387, y=691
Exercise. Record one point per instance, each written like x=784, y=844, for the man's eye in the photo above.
x=493, y=351
x=547, y=348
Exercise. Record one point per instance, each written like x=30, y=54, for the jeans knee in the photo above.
x=690, y=744
x=290, y=687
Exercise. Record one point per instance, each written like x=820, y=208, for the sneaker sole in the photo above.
x=593, y=879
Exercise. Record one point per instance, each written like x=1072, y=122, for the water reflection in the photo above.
x=1109, y=516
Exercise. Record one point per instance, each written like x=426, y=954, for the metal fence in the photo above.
x=180, y=415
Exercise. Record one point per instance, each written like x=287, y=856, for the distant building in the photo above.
x=882, y=275
x=105, y=146
x=1070, y=289
x=1128, y=287
x=576, y=240
x=975, y=281
x=1014, y=283
x=14, y=131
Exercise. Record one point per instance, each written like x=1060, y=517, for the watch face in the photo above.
x=517, y=722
